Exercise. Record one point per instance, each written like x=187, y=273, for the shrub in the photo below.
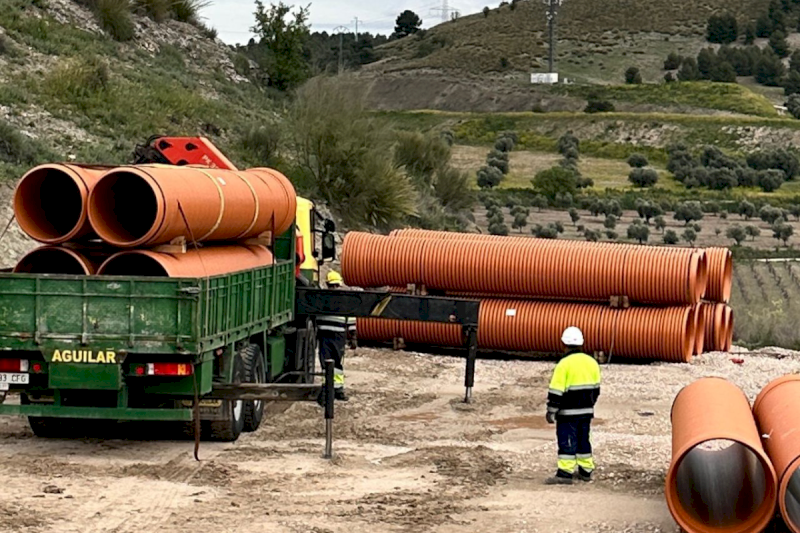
x=344, y=153
x=706, y=61
x=771, y=180
x=188, y=10
x=633, y=76
x=17, y=149
x=647, y=210
x=782, y=232
x=688, y=212
x=752, y=231
x=596, y=105
x=591, y=235
x=612, y=235
x=421, y=155
x=791, y=86
x=689, y=70
x=78, y=79
x=539, y=202
x=263, y=143
x=747, y=210
x=769, y=69
x=689, y=235
x=504, y=144
x=777, y=42
x=643, y=177
x=114, y=17
x=563, y=199
x=639, y=232
x=610, y=222
x=721, y=179
x=669, y=78
x=451, y=187
x=770, y=214
x=637, y=161
x=486, y=11
x=520, y=221
x=498, y=229
x=749, y=33
x=670, y=237
x=567, y=143
x=555, y=180
x=545, y=232
x=659, y=223
x=722, y=29
x=448, y=137
x=489, y=177
x=779, y=159
x=158, y=10
x=736, y=233
x=574, y=216
x=723, y=72
x=673, y=61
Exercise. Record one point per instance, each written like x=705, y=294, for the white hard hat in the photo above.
x=572, y=336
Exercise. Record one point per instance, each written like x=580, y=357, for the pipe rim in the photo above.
x=759, y=519
x=771, y=386
x=783, y=487
x=144, y=253
x=79, y=259
x=99, y=223
x=32, y=229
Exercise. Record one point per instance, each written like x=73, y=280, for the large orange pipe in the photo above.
x=720, y=478
x=720, y=275
x=51, y=202
x=61, y=260
x=538, y=268
x=777, y=413
x=141, y=206
x=195, y=263
x=666, y=334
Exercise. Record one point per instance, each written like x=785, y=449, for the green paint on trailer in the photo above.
x=98, y=413
x=85, y=377
x=276, y=356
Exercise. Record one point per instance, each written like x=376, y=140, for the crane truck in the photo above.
x=206, y=352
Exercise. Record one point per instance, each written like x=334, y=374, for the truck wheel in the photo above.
x=254, y=373
x=229, y=430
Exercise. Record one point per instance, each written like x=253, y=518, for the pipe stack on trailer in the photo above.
x=532, y=289
x=151, y=220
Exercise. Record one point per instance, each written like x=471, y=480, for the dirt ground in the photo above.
x=410, y=456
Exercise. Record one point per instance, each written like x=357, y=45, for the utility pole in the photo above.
x=445, y=11
x=552, y=11
x=356, y=19
x=341, y=30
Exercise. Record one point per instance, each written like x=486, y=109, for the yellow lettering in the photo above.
x=101, y=357
x=111, y=357
x=90, y=357
x=57, y=356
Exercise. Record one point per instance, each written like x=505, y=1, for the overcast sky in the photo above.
x=234, y=18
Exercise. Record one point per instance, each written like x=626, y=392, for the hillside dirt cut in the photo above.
x=409, y=456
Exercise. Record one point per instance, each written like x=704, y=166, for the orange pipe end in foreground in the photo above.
x=51, y=202
x=777, y=413
x=720, y=478
x=195, y=263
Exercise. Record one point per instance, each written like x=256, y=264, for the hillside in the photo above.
x=68, y=91
x=486, y=60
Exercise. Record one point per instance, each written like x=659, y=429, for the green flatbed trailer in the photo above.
x=143, y=348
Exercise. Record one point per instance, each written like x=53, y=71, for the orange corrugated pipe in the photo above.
x=720, y=478
x=540, y=268
x=777, y=413
x=139, y=206
x=61, y=260
x=195, y=263
x=699, y=328
x=51, y=202
x=720, y=275
x=666, y=334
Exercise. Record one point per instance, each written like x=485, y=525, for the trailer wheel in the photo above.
x=228, y=430
x=254, y=373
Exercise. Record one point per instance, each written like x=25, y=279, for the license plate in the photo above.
x=3, y=386
x=13, y=379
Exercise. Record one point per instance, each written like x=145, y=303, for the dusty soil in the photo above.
x=410, y=456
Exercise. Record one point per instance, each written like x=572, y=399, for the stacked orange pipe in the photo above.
x=720, y=478
x=777, y=413
x=531, y=326
x=51, y=202
x=195, y=263
x=61, y=260
x=536, y=268
x=148, y=205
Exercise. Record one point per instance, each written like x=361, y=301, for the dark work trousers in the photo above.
x=574, y=445
x=331, y=346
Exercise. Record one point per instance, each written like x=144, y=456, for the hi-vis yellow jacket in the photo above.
x=575, y=386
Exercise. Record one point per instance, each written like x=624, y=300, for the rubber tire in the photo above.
x=254, y=373
x=229, y=430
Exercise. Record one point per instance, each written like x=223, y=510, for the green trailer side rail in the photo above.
x=143, y=315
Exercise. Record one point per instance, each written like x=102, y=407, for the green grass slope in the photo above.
x=68, y=90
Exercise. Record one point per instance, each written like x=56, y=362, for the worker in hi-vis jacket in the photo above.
x=333, y=334
x=570, y=405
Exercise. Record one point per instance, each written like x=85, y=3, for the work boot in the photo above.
x=583, y=475
x=340, y=395
x=558, y=479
